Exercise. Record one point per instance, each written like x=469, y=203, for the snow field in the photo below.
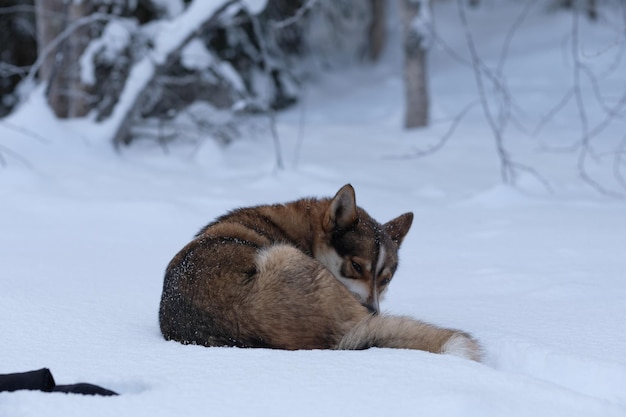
x=85, y=235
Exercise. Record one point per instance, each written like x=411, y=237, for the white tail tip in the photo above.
x=462, y=345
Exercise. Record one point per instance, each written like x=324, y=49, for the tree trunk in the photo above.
x=377, y=30
x=67, y=95
x=415, y=17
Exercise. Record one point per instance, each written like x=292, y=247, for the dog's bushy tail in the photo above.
x=407, y=333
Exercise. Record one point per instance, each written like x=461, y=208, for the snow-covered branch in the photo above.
x=53, y=46
x=169, y=42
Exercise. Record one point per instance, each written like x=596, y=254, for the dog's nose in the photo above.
x=372, y=303
x=372, y=309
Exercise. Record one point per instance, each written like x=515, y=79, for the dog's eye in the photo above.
x=357, y=267
x=385, y=281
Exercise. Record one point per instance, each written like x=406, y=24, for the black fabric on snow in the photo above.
x=42, y=380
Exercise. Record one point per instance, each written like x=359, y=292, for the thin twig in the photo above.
x=508, y=39
x=10, y=152
x=17, y=9
x=7, y=151
x=280, y=24
x=586, y=149
x=595, y=88
x=280, y=165
x=494, y=77
x=62, y=37
x=506, y=171
x=498, y=78
x=509, y=168
x=301, y=126
x=7, y=70
x=618, y=163
x=491, y=76
x=554, y=111
x=420, y=153
x=612, y=113
x=618, y=42
x=25, y=131
x=256, y=27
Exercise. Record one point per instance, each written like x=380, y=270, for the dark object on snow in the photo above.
x=42, y=380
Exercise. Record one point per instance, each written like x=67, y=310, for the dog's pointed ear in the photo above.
x=341, y=212
x=399, y=227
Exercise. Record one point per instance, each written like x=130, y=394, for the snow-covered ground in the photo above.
x=538, y=278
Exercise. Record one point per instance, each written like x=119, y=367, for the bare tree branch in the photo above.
x=7, y=70
x=506, y=171
x=420, y=153
x=595, y=88
x=301, y=126
x=296, y=17
x=554, y=111
x=256, y=27
x=509, y=169
x=58, y=41
x=7, y=151
x=511, y=34
x=619, y=163
x=24, y=131
x=20, y=8
x=586, y=149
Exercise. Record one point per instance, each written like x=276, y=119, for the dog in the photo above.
x=308, y=274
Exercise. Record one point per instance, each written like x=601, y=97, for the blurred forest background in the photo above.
x=151, y=68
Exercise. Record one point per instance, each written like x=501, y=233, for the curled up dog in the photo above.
x=308, y=274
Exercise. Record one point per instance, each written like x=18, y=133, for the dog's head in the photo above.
x=359, y=251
